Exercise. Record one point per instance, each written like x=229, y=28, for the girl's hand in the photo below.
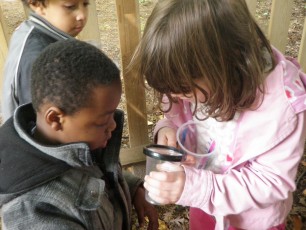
x=166, y=187
x=166, y=136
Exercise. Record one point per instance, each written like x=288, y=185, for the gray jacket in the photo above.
x=27, y=42
x=61, y=187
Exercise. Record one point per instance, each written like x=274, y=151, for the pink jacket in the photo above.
x=255, y=192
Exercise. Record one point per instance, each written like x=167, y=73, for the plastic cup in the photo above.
x=197, y=152
x=160, y=155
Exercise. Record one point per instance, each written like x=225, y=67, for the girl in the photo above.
x=209, y=62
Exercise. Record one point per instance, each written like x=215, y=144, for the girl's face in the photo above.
x=69, y=16
x=190, y=96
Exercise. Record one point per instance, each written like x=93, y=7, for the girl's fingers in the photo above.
x=150, y=181
x=162, y=141
x=162, y=196
x=158, y=199
x=169, y=167
x=165, y=187
x=161, y=177
x=167, y=183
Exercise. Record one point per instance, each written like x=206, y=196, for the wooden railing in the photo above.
x=279, y=26
x=129, y=35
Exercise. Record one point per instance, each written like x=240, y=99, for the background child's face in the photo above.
x=69, y=16
x=95, y=123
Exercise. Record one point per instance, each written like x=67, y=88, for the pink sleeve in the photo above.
x=262, y=181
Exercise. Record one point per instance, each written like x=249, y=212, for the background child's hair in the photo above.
x=33, y=2
x=66, y=73
x=217, y=41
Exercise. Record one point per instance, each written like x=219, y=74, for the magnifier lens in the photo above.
x=162, y=152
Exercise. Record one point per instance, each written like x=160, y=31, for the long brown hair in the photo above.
x=215, y=41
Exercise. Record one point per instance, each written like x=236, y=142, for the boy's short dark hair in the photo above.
x=66, y=73
x=33, y=2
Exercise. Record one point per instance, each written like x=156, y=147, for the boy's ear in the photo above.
x=38, y=7
x=54, y=118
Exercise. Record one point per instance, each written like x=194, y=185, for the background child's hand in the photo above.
x=166, y=187
x=166, y=136
x=143, y=209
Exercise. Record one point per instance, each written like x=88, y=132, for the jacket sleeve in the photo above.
x=257, y=183
x=133, y=182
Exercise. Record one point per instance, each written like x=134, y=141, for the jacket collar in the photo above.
x=45, y=26
x=75, y=154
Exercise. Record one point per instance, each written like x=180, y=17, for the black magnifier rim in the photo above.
x=163, y=157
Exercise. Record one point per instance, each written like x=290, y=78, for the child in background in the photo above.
x=49, y=21
x=59, y=155
x=209, y=62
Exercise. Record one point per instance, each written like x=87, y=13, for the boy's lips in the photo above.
x=79, y=28
x=107, y=139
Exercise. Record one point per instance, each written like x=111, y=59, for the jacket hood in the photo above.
x=22, y=166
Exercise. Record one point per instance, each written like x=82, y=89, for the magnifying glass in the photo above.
x=163, y=153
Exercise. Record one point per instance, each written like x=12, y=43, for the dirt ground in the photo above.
x=176, y=217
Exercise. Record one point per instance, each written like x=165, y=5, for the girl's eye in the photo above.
x=86, y=4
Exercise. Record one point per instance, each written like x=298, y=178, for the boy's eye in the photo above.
x=70, y=7
x=101, y=125
x=86, y=4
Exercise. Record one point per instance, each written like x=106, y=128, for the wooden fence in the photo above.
x=129, y=35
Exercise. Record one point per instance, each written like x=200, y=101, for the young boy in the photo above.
x=49, y=21
x=59, y=156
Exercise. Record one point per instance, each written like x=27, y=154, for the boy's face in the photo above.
x=69, y=16
x=92, y=125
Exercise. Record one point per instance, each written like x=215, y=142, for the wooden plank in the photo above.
x=91, y=32
x=252, y=6
x=302, y=52
x=279, y=23
x=129, y=36
x=3, y=48
x=132, y=155
x=4, y=28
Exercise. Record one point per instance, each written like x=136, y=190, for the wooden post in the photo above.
x=302, y=52
x=252, y=6
x=5, y=29
x=279, y=23
x=129, y=34
x=91, y=32
x=4, y=38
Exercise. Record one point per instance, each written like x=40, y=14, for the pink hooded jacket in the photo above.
x=255, y=192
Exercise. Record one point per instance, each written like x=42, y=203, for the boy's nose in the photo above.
x=112, y=125
x=82, y=14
